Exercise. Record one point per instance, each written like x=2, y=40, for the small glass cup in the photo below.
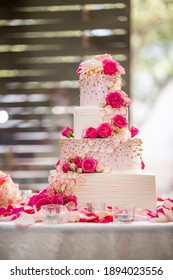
x=54, y=213
x=96, y=206
x=25, y=193
x=123, y=213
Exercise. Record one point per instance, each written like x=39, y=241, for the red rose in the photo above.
x=120, y=121
x=134, y=131
x=91, y=132
x=39, y=199
x=66, y=167
x=89, y=165
x=67, y=132
x=104, y=130
x=42, y=201
x=112, y=67
x=57, y=199
x=77, y=161
x=71, y=202
x=114, y=99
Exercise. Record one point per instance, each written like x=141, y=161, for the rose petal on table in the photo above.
x=25, y=220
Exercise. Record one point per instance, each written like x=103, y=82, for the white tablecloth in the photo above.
x=86, y=241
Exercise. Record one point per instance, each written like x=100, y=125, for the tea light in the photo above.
x=124, y=213
x=123, y=217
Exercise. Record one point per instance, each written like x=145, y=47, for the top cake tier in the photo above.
x=97, y=78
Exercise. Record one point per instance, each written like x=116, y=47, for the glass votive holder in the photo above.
x=96, y=206
x=123, y=213
x=26, y=193
x=54, y=213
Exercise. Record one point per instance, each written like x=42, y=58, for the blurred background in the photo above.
x=41, y=45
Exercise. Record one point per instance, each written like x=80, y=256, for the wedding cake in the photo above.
x=102, y=156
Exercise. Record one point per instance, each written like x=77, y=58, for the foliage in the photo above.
x=152, y=50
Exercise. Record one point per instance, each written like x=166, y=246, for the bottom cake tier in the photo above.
x=115, y=188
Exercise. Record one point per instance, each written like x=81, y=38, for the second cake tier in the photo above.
x=85, y=117
x=110, y=152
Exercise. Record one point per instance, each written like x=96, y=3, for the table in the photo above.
x=87, y=241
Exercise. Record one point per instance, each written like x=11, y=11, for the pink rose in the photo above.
x=70, y=203
x=35, y=197
x=112, y=67
x=57, y=199
x=114, y=99
x=66, y=167
x=91, y=132
x=134, y=131
x=67, y=132
x=39, y=199
x=43, y=198
x=43, y=201
x=89, y=165
x=104, y=130
x=77, y=161
x=120, y=121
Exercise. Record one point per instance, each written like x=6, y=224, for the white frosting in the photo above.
x=115, y=188
x=85, y=117
x=94, y=88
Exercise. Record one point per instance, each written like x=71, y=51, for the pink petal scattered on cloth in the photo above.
x=140, y=215
x=26, y=220
x=7, y=218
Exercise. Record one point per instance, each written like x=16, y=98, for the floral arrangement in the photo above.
x=101, y=64
x=114, y=113
x=62, y=182
x=102, y=131
x=82, y=164
x=50, y=196
x=117, y=126
x=9, y=191
x=60, y=191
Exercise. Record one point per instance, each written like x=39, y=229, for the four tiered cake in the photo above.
x=102, y=155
